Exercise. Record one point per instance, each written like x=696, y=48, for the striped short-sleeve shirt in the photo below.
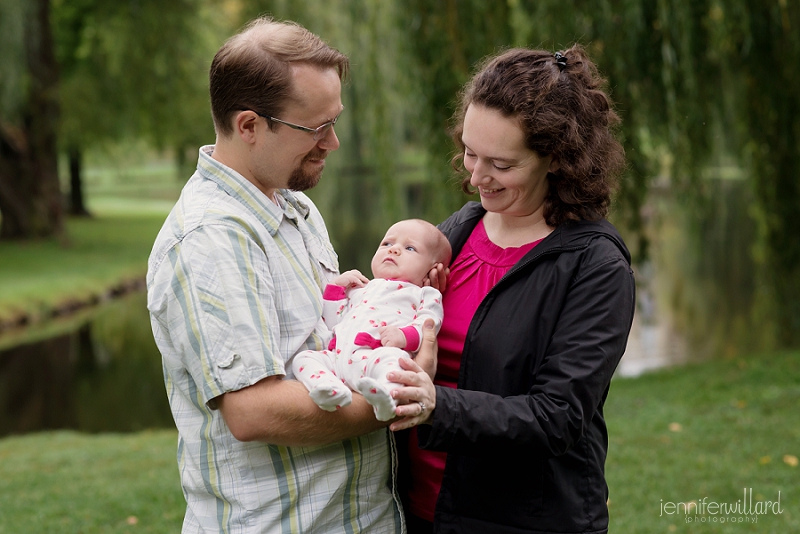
x=234, y=287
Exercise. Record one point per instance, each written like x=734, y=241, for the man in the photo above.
x=235, y=285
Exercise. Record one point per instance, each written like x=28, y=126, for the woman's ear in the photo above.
x=554, y=165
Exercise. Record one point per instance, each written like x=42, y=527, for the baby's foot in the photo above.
x=378, y=396
x=331, y=397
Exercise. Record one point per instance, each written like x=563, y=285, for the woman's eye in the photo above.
x=501, y=167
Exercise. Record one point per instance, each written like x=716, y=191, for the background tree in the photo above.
x=701, y=85
x=707, y=89
x=132, y=70
x=30, y=202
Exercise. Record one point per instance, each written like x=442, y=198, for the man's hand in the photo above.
x=391, y=336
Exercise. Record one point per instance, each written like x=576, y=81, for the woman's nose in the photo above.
x=479, y=175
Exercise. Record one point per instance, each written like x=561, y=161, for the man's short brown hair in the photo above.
x=252, y=69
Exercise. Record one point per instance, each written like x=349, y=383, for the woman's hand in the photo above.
x=417, y=398
x=437, y=277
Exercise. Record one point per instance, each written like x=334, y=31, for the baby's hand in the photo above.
x=350, y=279
x=391, y=336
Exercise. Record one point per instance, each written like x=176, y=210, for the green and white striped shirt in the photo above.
x=234, y=289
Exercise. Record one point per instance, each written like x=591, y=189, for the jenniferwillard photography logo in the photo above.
x=744, y=510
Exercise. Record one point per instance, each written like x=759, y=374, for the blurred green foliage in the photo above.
x=701, y=85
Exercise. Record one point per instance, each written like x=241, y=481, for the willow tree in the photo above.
x=30, y=202
x=131, y=70
x=695, y=81
x=761, y=42
x=447, y=39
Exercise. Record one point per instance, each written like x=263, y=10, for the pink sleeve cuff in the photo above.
x=334, y=292
x=412, y=338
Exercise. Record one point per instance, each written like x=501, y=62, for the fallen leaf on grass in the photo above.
x=764, y=460
x=675, y=427
x=132, y=520
x=790, y=460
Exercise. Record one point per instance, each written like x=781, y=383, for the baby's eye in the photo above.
x=411, y=248
x=386, y=244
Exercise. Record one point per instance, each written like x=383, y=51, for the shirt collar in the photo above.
x=239, y=188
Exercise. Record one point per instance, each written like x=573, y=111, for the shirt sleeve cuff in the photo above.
x=334, y=292
x=412, y=338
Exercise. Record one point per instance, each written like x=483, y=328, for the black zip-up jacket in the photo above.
x=524, y=431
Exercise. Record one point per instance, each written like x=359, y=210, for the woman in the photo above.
x=538, y=306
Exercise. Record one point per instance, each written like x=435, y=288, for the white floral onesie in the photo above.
x=355, y=357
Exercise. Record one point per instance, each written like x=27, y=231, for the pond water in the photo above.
x=102, y=373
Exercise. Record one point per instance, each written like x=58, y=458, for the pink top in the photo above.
x=476, y=270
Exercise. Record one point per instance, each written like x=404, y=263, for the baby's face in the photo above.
x=406, y=253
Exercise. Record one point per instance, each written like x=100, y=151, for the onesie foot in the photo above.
x=378, y=396
x=331, y=397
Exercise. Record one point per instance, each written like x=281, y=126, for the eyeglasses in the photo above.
x=318, y=133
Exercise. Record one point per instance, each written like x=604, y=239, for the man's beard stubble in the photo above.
x=300, y=180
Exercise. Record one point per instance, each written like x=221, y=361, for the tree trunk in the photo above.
x=77, y=206
x=30, y=200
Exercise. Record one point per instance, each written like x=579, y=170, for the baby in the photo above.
x=375, y=323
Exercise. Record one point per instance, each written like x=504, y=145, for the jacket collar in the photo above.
x=571, y=235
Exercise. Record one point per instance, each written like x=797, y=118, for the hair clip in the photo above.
x=561, y=60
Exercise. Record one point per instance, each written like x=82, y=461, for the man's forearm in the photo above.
x=281, y=412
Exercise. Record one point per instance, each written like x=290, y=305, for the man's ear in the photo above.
x=247, y=124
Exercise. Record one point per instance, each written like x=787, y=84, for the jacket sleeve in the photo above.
x=588, y=341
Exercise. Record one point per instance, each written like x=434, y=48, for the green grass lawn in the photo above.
x=708, y=431
x=96, y=255
x=65, y=482
x=702, y=431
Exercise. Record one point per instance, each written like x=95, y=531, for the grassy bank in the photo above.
x=64, y=482
x=97, y=256
x=702, y=431
x=706, y=431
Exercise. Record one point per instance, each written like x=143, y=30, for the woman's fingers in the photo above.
x=437, y=277
x=427, y=355
x=416, y=399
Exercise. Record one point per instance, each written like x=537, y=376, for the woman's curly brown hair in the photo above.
x=563, y=112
